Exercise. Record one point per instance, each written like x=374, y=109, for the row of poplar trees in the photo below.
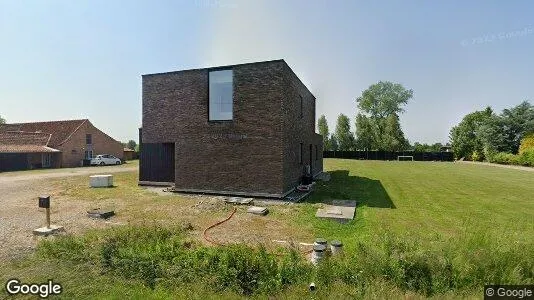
x=377, y=123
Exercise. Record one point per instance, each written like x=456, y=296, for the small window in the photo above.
x=316, y=152
x=88, y=139
x=301, y=106
x=221, y=91
x=301, y=153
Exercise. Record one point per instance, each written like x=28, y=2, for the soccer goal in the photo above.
x=405, y=158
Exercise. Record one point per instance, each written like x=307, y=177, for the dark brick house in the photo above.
x=246, y=129
x=53, y=144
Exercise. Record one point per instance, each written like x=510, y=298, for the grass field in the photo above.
x=422, y=229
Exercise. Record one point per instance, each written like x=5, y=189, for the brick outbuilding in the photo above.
x=53, y=144
x=246, y=129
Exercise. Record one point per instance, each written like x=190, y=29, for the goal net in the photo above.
x=405, y=158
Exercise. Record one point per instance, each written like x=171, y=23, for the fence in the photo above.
x=390, y=155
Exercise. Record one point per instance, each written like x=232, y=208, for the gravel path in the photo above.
x=19, y=214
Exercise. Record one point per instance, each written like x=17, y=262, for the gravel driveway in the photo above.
x=19, y=214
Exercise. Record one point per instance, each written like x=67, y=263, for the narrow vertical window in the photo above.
x=301, y=153
x=221, y=89
x=88, y=139
x=316, y=153
x=301, y=106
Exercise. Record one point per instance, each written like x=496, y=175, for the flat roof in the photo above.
x=234, y=65
x=218, y=67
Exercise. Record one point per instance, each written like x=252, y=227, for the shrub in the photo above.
x=505, y=158
x=477, y=156
x=527, y=143
x=526, y=158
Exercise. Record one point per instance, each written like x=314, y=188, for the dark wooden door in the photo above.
x=156, y=162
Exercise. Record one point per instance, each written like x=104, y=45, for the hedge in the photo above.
x=526, y=158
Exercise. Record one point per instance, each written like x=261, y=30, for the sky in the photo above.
x=84, y=59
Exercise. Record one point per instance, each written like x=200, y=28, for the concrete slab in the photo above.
x=340, y=210
x=99, y=213
x=44, y=231
x=101, y=181
x=238, y=200
x=257, y=210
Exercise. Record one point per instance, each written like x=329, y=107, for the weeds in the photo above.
x=155, y=254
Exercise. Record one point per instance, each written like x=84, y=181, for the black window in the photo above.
x=301, y=153
x=316, y=152
x=301, y=106
x=88, y=139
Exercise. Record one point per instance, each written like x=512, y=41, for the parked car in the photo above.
x=105, y=159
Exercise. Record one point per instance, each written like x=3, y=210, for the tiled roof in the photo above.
x=26, y=149
x=25, y=142
x=24, y=138
x=60, y=130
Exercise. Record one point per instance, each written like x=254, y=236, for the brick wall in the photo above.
x=299, y=128
x=246, y=154
x=73, y=149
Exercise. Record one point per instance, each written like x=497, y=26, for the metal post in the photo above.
x=48, y=218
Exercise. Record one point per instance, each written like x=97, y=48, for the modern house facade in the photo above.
x=245, y=129
x=53, y=144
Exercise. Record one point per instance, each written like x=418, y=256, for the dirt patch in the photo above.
x=71, y=198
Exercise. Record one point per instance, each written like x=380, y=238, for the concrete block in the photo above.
x=101, y=180
x=238, y=200
x=340, y=210
x=44, y=231
x=257, y=210
x=99, y=213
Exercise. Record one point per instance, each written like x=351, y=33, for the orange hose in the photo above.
x=221, y=222
x=215, y=225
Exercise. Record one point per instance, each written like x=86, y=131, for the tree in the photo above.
x=365, y=133
x=2, y=120
x=393, y=138
x=333, y=143
x=377, y=125
x=131, y=144
x=466, y=136
x=383, y=99
x=343, y=136
x=527, y=143
x=323, y=130
x=418, y=147
x=517, y=123
x=503, y=133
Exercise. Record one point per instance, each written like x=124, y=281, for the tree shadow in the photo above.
x=366, y=191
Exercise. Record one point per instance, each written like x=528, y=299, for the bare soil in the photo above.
x=71, y=198
x=20, y=215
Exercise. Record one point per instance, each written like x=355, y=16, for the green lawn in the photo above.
x=431, y=202
x=422, y=229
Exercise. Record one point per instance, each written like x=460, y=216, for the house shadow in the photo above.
x=366, y=191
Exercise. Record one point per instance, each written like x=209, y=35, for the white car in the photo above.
x=105, y=159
